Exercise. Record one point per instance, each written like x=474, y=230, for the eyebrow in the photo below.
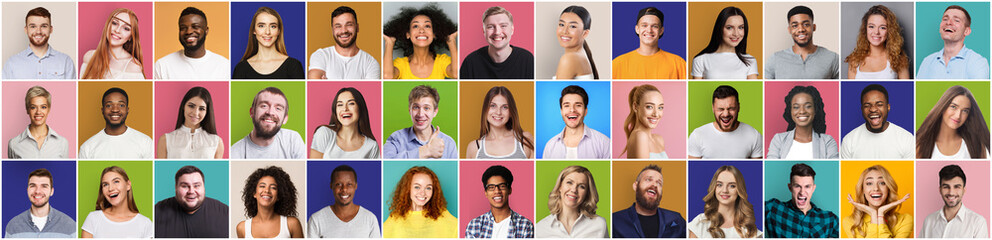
x=122, y=21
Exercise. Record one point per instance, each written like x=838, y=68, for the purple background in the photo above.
x=900, y=99
x=700, y=174
x=15, y=179
x=368, y=194
x=625, y=18
x=293, y=16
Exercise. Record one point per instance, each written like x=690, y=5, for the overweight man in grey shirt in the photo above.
x=267, y=140
x=804, y=60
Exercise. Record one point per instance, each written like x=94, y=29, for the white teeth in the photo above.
x=497, y=198
x=267, y=197
x=422, y=38
x=345, y=196
x=652, y=191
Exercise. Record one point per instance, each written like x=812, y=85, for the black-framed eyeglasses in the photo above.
x=501, y=186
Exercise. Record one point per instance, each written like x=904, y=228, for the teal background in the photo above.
x=927, y=94
x=447, y=173
x=243, y=92
x=547, y=173
x=215, y=182
x=928, y=15
x=826, y=179
x=88, y=187
x=701, y=103
x=396, y=113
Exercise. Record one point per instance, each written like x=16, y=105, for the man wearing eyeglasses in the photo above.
x=500, y=221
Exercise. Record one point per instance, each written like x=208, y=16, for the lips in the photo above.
x=725, y=120
x=876, y=196
x=653, y=120
x=114, y=195
x=192, y=38
x=735, y=39
x=421, y=38
x=802, y=118
x=345, y=196
x=651, y=193
x=801, y=36
x=802, y=200
x=724, y=196
x=565, y=38
x=875, y=119
x=498, y=199
x=346, y=115
x=116, y=116
x=421, y=121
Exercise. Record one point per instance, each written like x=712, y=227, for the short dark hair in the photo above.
x=725, y=91
x=802, y=170
x=194, y=11
x=573, y=89
x=187, y=170
x=498, y=170
x=653, y=167
x=42, y=12
x=342, y=10
x=41, y=172
x=343, y=168
x=127, y=100
x=799, y=10
x=966, y=15
x=273, y=90
x=950, y=171
x=875, y=87
x=651, y=11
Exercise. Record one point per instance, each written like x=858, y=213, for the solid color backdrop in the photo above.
x=390, y=9
x=473, y=37
x=851, y=19
x=167, y=28
x=396, y=107
x=473, y=193
x=471, y=110
x=140, y=174
x=672, y=124
x=93, y=17
x=62, y=38
x=701, y=103
x=900, y=103
x=704, y=15
x=547, y=175
x=61, y=115
x=241, y=170
x=930, y=15
x=673, y=193
x=321, y=98
x=625, y=38
x=928, y=93
x=320, y=31
x=775, y=93
x=447, y=174
x=902, y=173
x=701, y=173
x=293, y=22
x=168, y=97
x=929, y=200
x=16, y=201
x=549, y=122
x=777, y=178
x=90, y=119
x=215, y=178
x=367, y=194
x=547, y=37
x=825, y=16
x=242, y=94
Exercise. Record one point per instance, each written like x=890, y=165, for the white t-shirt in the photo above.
x=181, y=144
x=800, y=150
x=501, y=230
x=723, y=65
x=178, y=66
x=325, y=141
x=335, y=66
x=894, y=143
x=97, y=224
x=131, y=144
x=700, y=226
x=961, y=154
x=325, y=224
x=708, y=142
x=286, y=144
x=39, y=221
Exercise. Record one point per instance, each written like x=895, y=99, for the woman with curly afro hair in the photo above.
x=413, y=31
x=270, y=205
x=418, y=208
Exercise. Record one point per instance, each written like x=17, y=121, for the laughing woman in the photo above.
x=118, y=55
x=806, y=136
x=265, y=56
x=876, y=206
x=573, y=203
x=270, y=205
x=349, y=134
x=116, y=214
x=415, y=31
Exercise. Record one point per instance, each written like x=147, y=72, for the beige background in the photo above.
x=825, y=16
x=62, y=39
x=240, y=170
x=547, y=48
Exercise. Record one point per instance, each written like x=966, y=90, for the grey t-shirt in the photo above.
x=786, y=64
x=708, y=142
x=286, y=144
x=325, y=224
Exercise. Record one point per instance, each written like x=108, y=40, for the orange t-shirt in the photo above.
x=661, y=65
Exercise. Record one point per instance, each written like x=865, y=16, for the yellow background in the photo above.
x=470, y=108
x=673, y=193
x=704, y=15
x=319, y=31
x=902, y=172
x=139, y=114
x=167, y=27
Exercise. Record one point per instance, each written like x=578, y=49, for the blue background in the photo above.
x=900, y=100
x=625, y=18
x=549, y=121
x=293, y=16
x=700, y=174
x=447, y=173
x=15, y=186
x=827, y=183
x=215, y=173
x=367, y=195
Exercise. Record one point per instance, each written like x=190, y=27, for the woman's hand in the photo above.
x=890, y=206
x=452, y=38
x=871, y=211
x=388, y=70
x=390, y=41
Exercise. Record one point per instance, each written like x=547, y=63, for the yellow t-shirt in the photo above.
x=903, y=227
x=416, y=225
x=661, y=65
x=441, y=62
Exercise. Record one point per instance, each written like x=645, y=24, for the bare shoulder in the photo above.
x=88, y=56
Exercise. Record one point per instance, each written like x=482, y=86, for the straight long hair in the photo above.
x=974, y=131
x=101, y=201
x=364, y=125
x=207, y=124
x=633, y=100
x=252, y=47
x=513, y=124
x=586, y=24
x=717, y=37
x=743, y=210
x=99, y=65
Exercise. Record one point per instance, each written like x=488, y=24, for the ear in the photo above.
x=634, y=186
x=51, y=193
x=967, y=31
x=129, y=185
x=661, y=32
x=585, y=33
x=814, y=28
x=285, y=119
x=408, y=35
x=813, y=189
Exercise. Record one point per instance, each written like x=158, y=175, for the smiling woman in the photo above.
x=266, y=56
x=270, y=205
x=116, y=214
x=418, y=208
x=195, y=135
x=414, y=31
x=572, y=204
x=726, y=203
x=726, y=54
x=118, y=55
x=500, y=126
x=806, y=136
x=876, y=203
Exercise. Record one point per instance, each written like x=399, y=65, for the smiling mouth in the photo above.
x=346, y=115
x=498, y=199
x=876, y=196
x=726, y=196
x=801, y=36
x=421, y=121
x=497, y=38
x=652, y=193
x=422, y=199
x=875, y=119
x=498, y=119
x=565, y=39
x=345, y=196
x=114, y=195
x=572, y=117
x=653, y=120
x=725, y=120
x=421, y=38
x=802, y=118
x=948, y=30
x=266, y=197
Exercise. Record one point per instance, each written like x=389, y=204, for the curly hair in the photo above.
x=974, y=131
x=285, y=192
x=399, y=25
x=819, y=119
x=400, y=204
x=743, y=210
x=634, y=99
x=893, y=43
x=859, y=192
x=587, y=206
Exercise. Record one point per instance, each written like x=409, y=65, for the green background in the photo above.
x=928, y=15
x=927, y=94
x=547, y=173
x=243, y=92
x=139, y=172
x=216, y=180
x=701, y=103
x=395, y=106
x=447, y=174
x=826, y=179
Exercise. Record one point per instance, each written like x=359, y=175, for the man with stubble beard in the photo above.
x=116, y=140
x=877, y=138
x=39, y=60
x=344, y=60
x=645, y=219
x=191, y=214
x=267, y=140
x=194, y=61
x=725, y=137
x=954, y=220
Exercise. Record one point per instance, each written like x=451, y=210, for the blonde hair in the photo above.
x=37, y=91
x=633, y=99
x=252, y=47
x=587, y=205
x=743, y=210
x=99, y=65
x=890, y=216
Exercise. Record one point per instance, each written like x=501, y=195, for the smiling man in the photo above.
x=498, y=60
x=953, y=220
x=116, y=140
x=799, y=217
x=648, y=61
x=955, y=61
x=344, y=218
x=725, y=137
x=268, y=140
x=577, y=140
x=804, y=60
x=423, y=139
x=42, y=220
x=191, y=214
x=194, y=61
x=877, y=138
x=500, y=221
x=344, y=60
x=645, y=219
x=39, y=60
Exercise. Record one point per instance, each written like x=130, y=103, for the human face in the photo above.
x=343, y=186
x=803, y=111
x=801, y=27
x=266, y=191
x=346, y=109
x=421, y=31
x=875, y=110
x=114, y=188
x=953, y=26
x=498, y=29
x=115, y=109
x=192, y=31
x=649, y=29
x=345, y=30
x=120, y=29
x=497, y=192
x=733, y=31
x=573, y=190
x=573, y=110
x=194, y=111
x=648, y=188
x=651, y=108
x=421, y=190
x=571, y=31
x=951, y=191
x=499, y=111
x=422, y=112
x=725, y=112
x=38, y=29
x=269, y=114
x=802, y=188
x=874, y=188
x=38, y=111
x=190, y=191
x=266, y=29
x=39, y=190
x=956, y=113
x=877, y=30
x=726, y=188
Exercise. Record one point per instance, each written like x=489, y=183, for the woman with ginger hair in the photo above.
x=878, y=53
x=725, y=217
x=875, y=208
x=118, y=54
x=418, y=208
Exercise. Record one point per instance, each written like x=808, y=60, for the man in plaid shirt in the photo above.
x=500, y=221
x=799, y=218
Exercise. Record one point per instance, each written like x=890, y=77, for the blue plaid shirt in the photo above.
x=482, y=226
x=784, y=220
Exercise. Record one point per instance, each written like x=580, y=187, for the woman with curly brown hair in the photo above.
x=954, y=129
x=418, y=208
x=727, y=213
x=878, y=53
x=415, y=31
x=876, y=207
x=572, y=204
x=270, y=205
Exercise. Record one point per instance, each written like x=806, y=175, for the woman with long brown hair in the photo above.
x=878, y=53
x=118, y=54
x=876, y=207
x=573, y=28
x=195, y=135
x=646, y=108
x=116, y=214
x=265, y=55
x=954, y=129
x=726, y=54
x=500, y=133
x=727, y=213
x=418, y=208
x=349, y=133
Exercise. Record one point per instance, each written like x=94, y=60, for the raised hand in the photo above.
x=390, y=41
x=434, y=147
x=891, y=205
x=452, y=38
x=871, y=211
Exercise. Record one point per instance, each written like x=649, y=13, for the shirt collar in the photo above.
x=960, y=55
x=959, y=216
x=585, y=132
x=28, y=52
x=185, y=129
x=412, y=135
x=26, y=135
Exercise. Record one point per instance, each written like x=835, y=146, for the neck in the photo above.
x=946, y=134
x=641, y=127
x=259, y=141
x=499, y=55
x=338, y=207
x=114, y=131
x=266, y=213
x=195, y=52
x=40, y=211
x=39, y=131
x=38, y=50
x=648, y=49
x=349, y=132
x=119, y=210
x=421, y=54
x=348, y=51
x=876, y=50
x=727, y=211
x=952, y=49
x=118, y=52
x=726, y=48
x=951, y=212
x=644, y=210
x=499, y=132
x=501, y=213
x=804, y=134
x=803, y=51
x=424, y=135
x=265, y=53
x=568, y=215
x=576, y=131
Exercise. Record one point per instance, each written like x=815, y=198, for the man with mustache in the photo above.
x=725, y=137
x=577, y=140
x=953, y=220
x=423, y=139
x=498, y=60
x=877, y=138
x=804, y=60
x=954, y=61
x=344, y=60
x=645, y=219
x=194, y=61
x=191, y=214
x=116, y=140
x=268, y=140
x=42, y=220
x=39, y=60
x=648, y=61
x=345, y=218
x=500, y=221
x=799, y=217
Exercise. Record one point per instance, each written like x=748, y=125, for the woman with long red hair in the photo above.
x=418, y=208
x=118, y=55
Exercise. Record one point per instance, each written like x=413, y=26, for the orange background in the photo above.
x=320, y=34
x=91, y=121
x=673, y=194
x=902, y=173
x=167, y=27
x=470, y=108
x=701, y=28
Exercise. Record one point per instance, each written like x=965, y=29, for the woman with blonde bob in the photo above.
x=646, y=108
x=878, y=53
x=954, y=129
x=418, y=208
x=500, y=133
x=875, y=208
x=572, y=203
x=116, y=214
x=725, y=217
x=265, y=54
x=118, y=55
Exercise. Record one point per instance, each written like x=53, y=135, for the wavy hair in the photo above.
x=207, y=124
x=633, y=99
x=859, y=192
x=101, y=201
x=716, y=38
x=587, y=205
x=974, y=131
x=285, y=192
x=400, y=205
x=893, y=43
x=99, y=64
x=743, y=210
x=399, y=25
x=819, y=120
x=586, y=24
x=252, y=47
x=513, y=124
x=364, y=127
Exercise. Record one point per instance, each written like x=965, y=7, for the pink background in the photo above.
x=672, y=125
x=928, y=200
x=62, y=116
x=473, y=198
x=93, y=17
x=775, y=92
x=471, y=30
x=320, y=98
x=167, y=101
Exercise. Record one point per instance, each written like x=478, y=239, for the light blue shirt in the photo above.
x=592, y=145
x=966, y=65
x=403, y=143
x=52, y=65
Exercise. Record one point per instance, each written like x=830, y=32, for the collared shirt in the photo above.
x=584, y=227
x=967, y=64
x=626, y=224
x=24, y=146
x=965, y=224
x=482, y=226
x=786, y=64
x=403, y=143
x=593, y=145
x=57, y=225
x=785, y=220
x=51, y=65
